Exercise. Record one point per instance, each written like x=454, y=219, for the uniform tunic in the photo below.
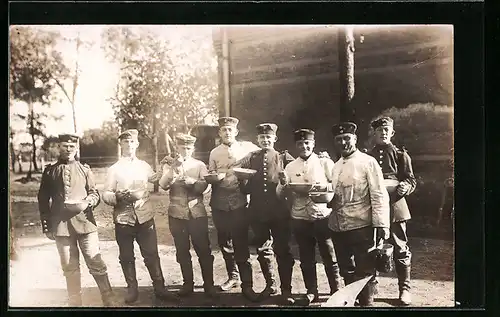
x=396, y=164
x=67, y=180
x=227, y=195
x=312, y=170
x=361, y=199
x=129, y=173
x=264, y=203
x=185, y=202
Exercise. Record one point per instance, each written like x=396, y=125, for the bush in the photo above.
x=421, y=128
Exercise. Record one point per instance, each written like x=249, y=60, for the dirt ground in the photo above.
x=36, y=279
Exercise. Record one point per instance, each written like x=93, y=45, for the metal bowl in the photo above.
x=137, y=194
x=76, y=206
x=321, y=197
x=391, y=185
x=243, y=173
x=214, y=177
x=301, y=188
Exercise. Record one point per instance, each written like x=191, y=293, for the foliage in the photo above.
x=100, y=142
x=51, y=148
x=154, y=85
x=35, y=69
x=421, y=128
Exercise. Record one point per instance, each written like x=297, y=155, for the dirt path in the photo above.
x=36, y=281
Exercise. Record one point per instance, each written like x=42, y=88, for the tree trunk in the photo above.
x=346, y=73
x=156, y=186
x=12, y=157
x=167, y=142
x=32, y=133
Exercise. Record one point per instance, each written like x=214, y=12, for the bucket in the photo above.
x=384, y=258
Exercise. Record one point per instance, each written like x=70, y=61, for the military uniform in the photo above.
x=310, y=219
x=65, y=180
x=188, y=218
x=270, y=219
x=396, y=164
x=134, y=220
x=360, y=204
x=229, y=210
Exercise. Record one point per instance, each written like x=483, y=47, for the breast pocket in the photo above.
x=353, y=188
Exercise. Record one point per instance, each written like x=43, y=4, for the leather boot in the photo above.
x=247, y=282
x=74, y=287
x=233, y=275
x=107, y=294
x=207, y=272
x=403, y=273
x=131, y=278
x=156, y=274
x=267, y=271
x=286, y=296
x=188, y=279
x=334, y=279
x=367, y=295
x=311, y=282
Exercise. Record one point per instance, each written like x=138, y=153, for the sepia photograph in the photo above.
x=272, y=166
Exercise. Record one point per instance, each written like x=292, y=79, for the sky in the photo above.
x=97, y=80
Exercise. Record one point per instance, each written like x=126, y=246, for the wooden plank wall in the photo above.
x=289, y=75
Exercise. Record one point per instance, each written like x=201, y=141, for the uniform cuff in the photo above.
x=109, y=198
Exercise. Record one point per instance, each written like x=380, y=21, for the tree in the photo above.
x=166, y=83
x=35, y=68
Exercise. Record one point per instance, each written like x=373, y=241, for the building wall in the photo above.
x=289, y=75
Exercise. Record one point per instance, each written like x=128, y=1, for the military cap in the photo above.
x=303, y=134
x=230, y=121
x=383, y=121
x=68, y=137
x=344, y=127
x=267, y=128
x=184, y=139
x=133, y=133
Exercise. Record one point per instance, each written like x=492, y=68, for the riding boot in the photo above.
x=367, y=295
x=131, y=278
x=154, y=268
x=334, y=278
x=311, y=282
x=232, y=273
x=107, y=294
x=207, y=272
x=74, y=287
x=403, y=273
x=247, y=282
x=188, y=279
x=267, y=271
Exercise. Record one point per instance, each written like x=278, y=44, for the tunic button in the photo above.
x=381, y=151
x=265, y=168
x=265, y=184
x=265, y=173
x=265, y=190
x=380, y=162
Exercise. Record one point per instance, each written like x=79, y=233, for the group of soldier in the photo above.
x=345, y=229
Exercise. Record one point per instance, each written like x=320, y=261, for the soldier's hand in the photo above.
x=122, y=194
x=188, y=180
x=168, y=160
x=50, y=235
x=403, y=188
x=383, y=233
x=323, y=154
x=284, y=179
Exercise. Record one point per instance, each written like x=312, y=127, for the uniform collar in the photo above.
x=128, y=158
x=66, y=161
x=384, y=146
x=354, y=154
x=235, y=143
x=312, y=157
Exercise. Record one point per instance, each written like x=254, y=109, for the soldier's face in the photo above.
x=129, y=145
x=345, y=144
x=305, y=147
x=185, y=151
x=384, y=134
x=266, y=141
x=228, y=134
x=67, y=150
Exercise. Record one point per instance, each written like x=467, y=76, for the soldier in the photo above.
x=229, y=208
x=396, y=164
x=360, y=209
x=134, y=217
x=187, y=217
x=66, y=180
x=270, y=219
x=310, y=219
